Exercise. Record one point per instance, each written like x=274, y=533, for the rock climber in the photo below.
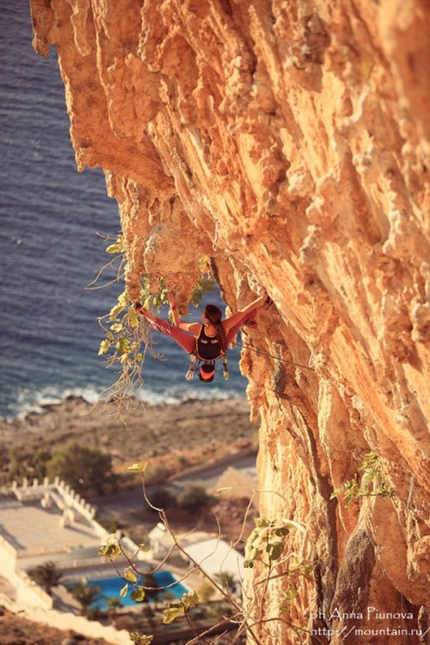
x=209, y=340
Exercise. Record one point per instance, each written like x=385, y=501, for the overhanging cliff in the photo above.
x=290, y=143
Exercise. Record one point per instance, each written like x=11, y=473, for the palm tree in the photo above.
x=226, y=580
x=86, y=595
x=46, y=575
x=113, y=605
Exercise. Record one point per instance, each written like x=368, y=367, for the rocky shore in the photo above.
x=216, y=426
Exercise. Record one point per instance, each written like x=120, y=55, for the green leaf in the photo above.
x=123, y=299
x=124, y=591
x=132, y=317
x=141, y=639
x=190, y=599
x=111, y=549
x=114, y=248
x=115, y=311
x=130, y=575
x=123, y=346
x=196, y=298
x=203, y=263
x=138, y=467
x=275, y=550
x=171, y=613
x=104, y=347
x=138, y=595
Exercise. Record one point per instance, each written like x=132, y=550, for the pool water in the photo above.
x=111, y=587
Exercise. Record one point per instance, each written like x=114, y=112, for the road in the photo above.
x=127, y=503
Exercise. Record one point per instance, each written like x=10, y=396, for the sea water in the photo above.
x=54, y=222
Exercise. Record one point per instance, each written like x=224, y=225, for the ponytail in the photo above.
x=214, y=315
x=222, y=336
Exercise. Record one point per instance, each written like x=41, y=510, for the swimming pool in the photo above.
x=111, y=587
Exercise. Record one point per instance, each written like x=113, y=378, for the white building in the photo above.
x=49, y=522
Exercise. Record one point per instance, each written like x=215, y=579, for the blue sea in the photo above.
x=52, y=222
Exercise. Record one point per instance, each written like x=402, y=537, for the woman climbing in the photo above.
x=206, y=341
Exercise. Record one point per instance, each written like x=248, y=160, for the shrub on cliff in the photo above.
x=86, y=470
x=28, y=464
x=163, y=498
x=194, y=497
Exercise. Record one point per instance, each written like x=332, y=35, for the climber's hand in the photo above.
x=140, y=308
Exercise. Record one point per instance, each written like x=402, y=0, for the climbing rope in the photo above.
x=281, y=360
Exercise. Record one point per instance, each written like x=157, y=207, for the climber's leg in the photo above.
x=247, y=318
x=184, y=340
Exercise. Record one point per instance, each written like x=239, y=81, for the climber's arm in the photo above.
x=191, y=328
x=175, y=316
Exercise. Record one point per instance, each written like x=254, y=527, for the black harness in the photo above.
x=206, y=353
x=208, y=348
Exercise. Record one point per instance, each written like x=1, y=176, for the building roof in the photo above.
x=216, y=556
x=237, y=484
x=39, y=534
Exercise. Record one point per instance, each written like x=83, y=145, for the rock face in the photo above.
x=288, y=141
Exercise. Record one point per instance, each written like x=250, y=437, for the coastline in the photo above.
x=219, y=425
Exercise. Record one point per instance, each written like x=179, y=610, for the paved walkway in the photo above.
x=36, y=533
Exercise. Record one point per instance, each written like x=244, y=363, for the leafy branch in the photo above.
x=175, y=609
x=372, y=484
x=298, y=569
x=127, y=338
x=266, y=546
x=117, y=250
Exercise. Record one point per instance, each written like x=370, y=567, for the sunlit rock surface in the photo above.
x=289, y=142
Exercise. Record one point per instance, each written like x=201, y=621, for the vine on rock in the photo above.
x=372, y=482
x=265, y=544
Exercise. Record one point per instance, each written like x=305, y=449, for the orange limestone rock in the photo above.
x=290, y=143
